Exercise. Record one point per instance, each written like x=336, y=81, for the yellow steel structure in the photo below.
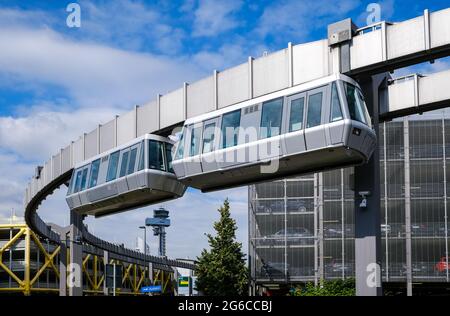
x=133, y=278
x=27, y=284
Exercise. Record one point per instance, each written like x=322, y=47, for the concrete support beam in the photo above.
x=367, y=217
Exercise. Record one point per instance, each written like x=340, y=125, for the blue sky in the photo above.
x=57, y=82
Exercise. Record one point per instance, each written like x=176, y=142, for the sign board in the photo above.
x=109, y=269
x=157, y=222
x=151, y=289
x=183, y=281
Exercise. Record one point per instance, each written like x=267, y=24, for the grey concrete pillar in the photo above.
x=367, y=219
x=75, y=280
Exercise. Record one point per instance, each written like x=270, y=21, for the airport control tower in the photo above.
x=159, y=221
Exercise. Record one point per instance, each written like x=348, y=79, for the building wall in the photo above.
x=302, y=229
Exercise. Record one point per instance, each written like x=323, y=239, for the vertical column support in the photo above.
x=367, y=219
x=444, y=155
x=158, y=109
x=386, y=219
x=250, y=77
x=27, y=287
x=316, y=232
x=342, y=222
x=426, y=27
x=286, y=272
x=185, y=110
x=76, y=255
x=290, y=65
x=320, y=213
x=63, y=266
x=105, y=262
x=407, y=208
x=216, y=90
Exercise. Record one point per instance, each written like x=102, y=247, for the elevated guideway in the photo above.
x=348, y=50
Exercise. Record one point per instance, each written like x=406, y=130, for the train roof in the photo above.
x=122, y=146
x=287, y=91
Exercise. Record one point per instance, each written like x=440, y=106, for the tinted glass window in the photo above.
x=195, y=141
x=112, y=166
x=77, y=181
x=132, y=160
x=356, y=105
x=84, y=179
x=230, y=128
x=336, y=112
x=95, y=166
x=180, y=148
x=155, y=152
x=124, y=163
x=271, y=118
x=72, y=183
x=208, y=137
x=169, y=156
x=296, y=114
x=314, y=109
x=141, y=157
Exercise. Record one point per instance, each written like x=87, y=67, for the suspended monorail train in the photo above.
x=126, y=177
x=319, y=125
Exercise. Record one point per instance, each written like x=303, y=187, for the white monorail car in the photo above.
x=126, y=177
x=319, y=125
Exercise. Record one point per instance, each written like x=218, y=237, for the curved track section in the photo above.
x=93, y=244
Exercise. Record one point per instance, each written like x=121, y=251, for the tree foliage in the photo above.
x=222, y=270
x=339, y=287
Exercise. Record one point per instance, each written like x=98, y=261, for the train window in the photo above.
x=271, y=118
x=180, y=148
x=356, y=105
x=112, y=166
x=124, y=163
x=208, y=137
x=230, y=128
x=314, y=110
x=336, y=112
x=155, y=152
x=95, y=166
x=72, y=183
x=141, y=157
x=83, y=179
x=195, y=141
x=77, y=181
x=296, y=114
x=132, y=160
x=169, y=157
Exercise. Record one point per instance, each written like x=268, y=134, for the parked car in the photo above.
x=337, y=266
x=442, y=265
x=270, y=206
x=294, y=236
x=296, y=205
x=421, y=230
x=385, y=228
x=274, y=269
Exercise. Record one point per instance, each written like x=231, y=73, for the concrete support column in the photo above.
x=63, y=267
x=76, y=255
x=367, y=219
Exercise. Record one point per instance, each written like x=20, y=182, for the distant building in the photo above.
x=302, y=229
x=140, y=245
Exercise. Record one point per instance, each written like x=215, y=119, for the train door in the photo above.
x=337, y=124
x=294, y=141
x=269, y=146
x=192, y=160
x=229, y=137
x=315, y=127
x=210, y=144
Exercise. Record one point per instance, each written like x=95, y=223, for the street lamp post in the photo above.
x=145, y=248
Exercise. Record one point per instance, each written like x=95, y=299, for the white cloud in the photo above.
x=43, y=132
x=297, y=19
x=215, y=17
x=92, y=74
